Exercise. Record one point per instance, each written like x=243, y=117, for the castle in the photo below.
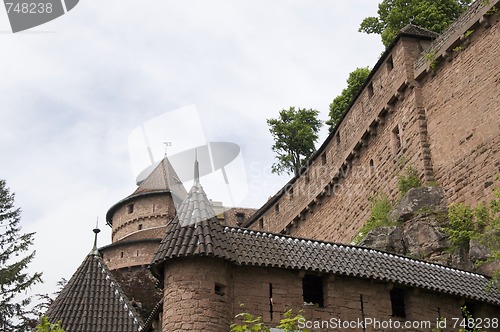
x=431, y=102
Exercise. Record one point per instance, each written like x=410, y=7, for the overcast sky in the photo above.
x=73, y=90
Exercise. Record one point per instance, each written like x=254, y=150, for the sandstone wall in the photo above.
x=269, y=292
x=141, y=213
x=133, y=253
x=197, y=295
x=442, y=122
x=462, y=103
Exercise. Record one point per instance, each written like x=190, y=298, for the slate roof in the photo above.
x=92, y=301
x=196, y=233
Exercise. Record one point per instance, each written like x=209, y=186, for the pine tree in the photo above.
x=14, y=279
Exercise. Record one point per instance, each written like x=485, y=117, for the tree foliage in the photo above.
x=250, y=323
x=393, y=15
x=294, y=133
x=340, y=104
x=46, y=326
x=480, y=223
x=14, y=280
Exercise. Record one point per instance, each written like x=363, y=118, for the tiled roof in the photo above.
x=418, y=31
x=162, y=177
x=92, y=301
x=194, y=231
x=280, y=251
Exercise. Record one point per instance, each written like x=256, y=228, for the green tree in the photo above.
x=393, y=15
x=14, y=280
x=340, y=104
x=294, y=133
x=46, y=326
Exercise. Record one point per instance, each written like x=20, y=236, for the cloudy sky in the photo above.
x=73, y=90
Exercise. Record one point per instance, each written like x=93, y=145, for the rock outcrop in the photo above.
x=422, y=215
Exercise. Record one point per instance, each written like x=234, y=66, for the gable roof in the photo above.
x=92, y=301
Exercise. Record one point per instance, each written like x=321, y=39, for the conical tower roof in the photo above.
x=92, y=301
x=162, y=179
x=193, y=232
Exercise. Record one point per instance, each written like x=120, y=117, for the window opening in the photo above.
x=370, y=89
x=312, y=288
x=390, y=63
x=398, y=302
x=220, y=289
x=271, y=300
x=396, y=140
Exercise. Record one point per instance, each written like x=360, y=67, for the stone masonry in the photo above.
x=432, y=105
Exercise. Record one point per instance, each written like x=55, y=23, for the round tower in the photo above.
x=193, y=264
x=138, y=224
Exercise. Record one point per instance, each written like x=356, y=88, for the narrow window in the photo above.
x=290, y=192
x=271, y=301
x=277, y=207
x=390, y=63
x=396, y=140
x=398, y=302
x=372, y=164
x=370, y=89
x=261, y=223
x=323, y=158
x=337, y=137
x=121, y=254
x=220, y=289
x=137, y=254
x=140, y=226
x=307, y=177
x=130, y=208
x=312, y=290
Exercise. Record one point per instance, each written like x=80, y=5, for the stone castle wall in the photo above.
x=443, y=122
x=141, y=213
x=191, y=301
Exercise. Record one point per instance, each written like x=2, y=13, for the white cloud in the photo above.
x=72, y=91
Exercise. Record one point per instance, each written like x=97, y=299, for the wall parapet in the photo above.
x=442, y=47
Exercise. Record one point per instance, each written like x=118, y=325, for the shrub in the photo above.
x=408, y=180
x=251, y=323
x=379, y=215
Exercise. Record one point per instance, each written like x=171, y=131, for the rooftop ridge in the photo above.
x=344, y=245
